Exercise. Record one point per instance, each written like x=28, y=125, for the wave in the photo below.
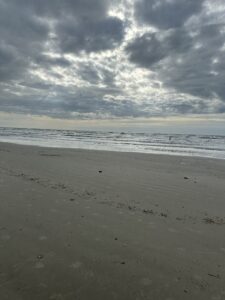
x=174, y=144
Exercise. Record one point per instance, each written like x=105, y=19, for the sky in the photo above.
x=86, y=60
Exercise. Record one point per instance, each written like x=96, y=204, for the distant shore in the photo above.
x=85, y=224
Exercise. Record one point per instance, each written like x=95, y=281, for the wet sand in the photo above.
x=79, y=224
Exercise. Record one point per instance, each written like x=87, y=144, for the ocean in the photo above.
x=212, y=146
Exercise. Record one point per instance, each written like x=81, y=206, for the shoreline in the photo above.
x=171, y=154
x=92, y=224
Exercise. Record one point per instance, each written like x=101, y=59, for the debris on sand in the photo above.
x=131, y=207
x=215, y=276
x=163, y=215
x=186, y=177
x=100, y=171
x=40, y=256
x=148, y=211
x=216, y=220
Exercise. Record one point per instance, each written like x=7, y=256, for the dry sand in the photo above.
x=77, y=224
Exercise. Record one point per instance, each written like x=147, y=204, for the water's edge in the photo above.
x=211, y=146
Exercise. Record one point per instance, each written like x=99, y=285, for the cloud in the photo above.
x=90, y=36
x=111, y=59
x=45, y=60
x=165, y=14
x=22, y=38
x=197, y=71
x=88, y=103
x=150, y=48
x=189, y=59
x=56, y=9
x=30, y=28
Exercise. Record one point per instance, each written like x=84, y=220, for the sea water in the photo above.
x=144, y=142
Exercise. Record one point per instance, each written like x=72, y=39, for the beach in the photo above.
x=85, y=224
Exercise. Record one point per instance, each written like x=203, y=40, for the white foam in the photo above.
x=174, y=144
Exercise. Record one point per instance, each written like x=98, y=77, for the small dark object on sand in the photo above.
x=40, y=256
x=131, y=207
x=116, y=239
x=123, y=263
x=217, y=221
x=215, y=276
x=72, y=199
x=186, y=177
x=209, y=221
x=163, y=215
x=185, y=291
x=148, y=211
x=99, y=171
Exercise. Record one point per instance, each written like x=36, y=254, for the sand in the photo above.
x=79, y=224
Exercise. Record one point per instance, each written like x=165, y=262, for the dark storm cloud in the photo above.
x=7, y=62
x=79, y=25
x=166, y=14
x=29, y=29
x=55, y=58
x=55, y=9
x=21, y=39
x=199, y=71
x=25, y=33
x=150, y=48
x=90, y=36
x=190, y=60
